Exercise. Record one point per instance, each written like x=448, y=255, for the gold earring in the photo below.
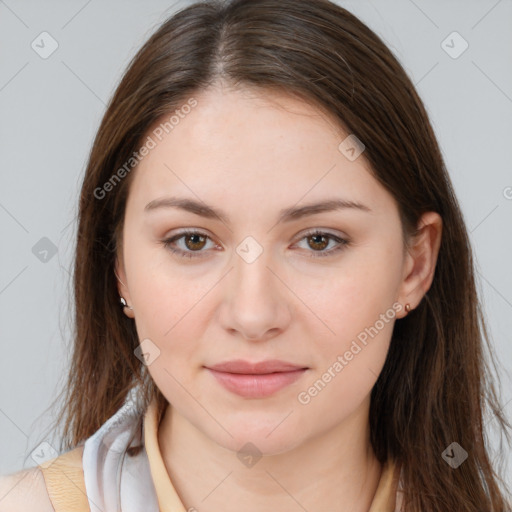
x=407, y=308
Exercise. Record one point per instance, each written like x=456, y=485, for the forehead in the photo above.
x=246, y=146
x=225, y=118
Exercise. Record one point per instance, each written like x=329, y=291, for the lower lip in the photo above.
x=256, y=386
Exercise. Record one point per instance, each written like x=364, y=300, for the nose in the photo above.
x=256, y=302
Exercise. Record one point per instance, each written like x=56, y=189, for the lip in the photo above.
x=259, y=368
x=256, y=380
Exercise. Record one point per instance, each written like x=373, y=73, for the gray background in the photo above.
x=50, y=109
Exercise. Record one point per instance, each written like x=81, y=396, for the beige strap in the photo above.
x=385, y=497
x=168, y=499
x=64, y=477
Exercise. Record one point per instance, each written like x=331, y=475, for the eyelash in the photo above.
x=316, y=254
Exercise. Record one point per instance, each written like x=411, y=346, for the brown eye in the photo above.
x=317, y=241
x=193, y=243
x=320, y=242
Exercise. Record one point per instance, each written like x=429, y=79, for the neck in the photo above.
x=337, y=470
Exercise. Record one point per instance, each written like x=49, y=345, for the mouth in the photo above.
x=256, y=380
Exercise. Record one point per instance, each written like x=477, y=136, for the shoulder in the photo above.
x=24, y=491
x=27, y=491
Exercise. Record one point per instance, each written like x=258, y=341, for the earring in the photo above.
x=407, y=308
x=122, y=300
x=123, y=303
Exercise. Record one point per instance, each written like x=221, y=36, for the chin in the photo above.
x=263, y=436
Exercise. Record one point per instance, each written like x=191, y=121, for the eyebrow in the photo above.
x=285, y=215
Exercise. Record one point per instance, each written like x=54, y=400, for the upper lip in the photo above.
x=262, y=367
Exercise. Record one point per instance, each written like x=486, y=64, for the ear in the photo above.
x=420, y=260
x=122, y=288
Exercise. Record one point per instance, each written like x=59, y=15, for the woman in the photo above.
x=275, y=295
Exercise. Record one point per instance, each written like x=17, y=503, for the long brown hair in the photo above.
x=436, y=385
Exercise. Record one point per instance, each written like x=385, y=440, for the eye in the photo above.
x=195, y=241
x=320, y=240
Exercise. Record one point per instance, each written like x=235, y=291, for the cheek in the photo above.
x=348, y=362
x=357, y=293
x=358, y=318
x=161, y=295
x=169, y=314
x=167, y=309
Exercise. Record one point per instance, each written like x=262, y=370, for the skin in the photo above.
x=252, y=154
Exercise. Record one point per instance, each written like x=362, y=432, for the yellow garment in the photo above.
x=64, y=477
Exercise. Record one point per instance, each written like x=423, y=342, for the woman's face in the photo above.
x=257, y=284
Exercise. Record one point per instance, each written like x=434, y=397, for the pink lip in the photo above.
x=256, y=380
